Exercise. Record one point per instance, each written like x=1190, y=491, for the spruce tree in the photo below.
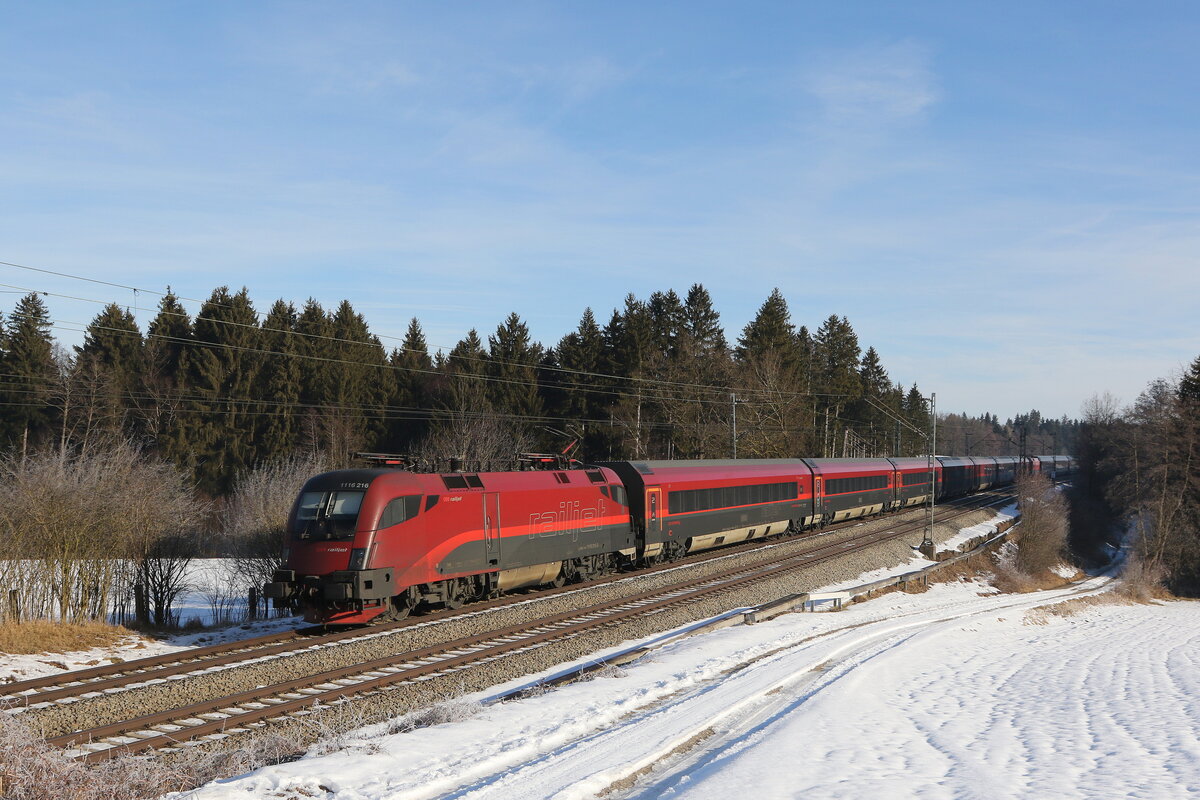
x=668, y=321
x=113, y=341
x=1189, y=386
x=703, y=323
x=581, y=351
x=363, y=385
x=629, y=338
x=414, y=388
x=870, y=421
x=465, y=366
x=223, y=369
x=771, y=331
x=279, y=422
x=916, y=411
x=106, y=377
x=165, y=381
x=27, y=375
x=513, y=368
x=315, y=348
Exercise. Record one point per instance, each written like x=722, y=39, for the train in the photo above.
x=373, y=544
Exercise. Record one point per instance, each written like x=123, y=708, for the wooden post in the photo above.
x=252, y=605
x=14, y=606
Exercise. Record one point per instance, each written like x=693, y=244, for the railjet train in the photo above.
x=371, y=544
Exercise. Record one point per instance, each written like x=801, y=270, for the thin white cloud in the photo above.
x=873, y=86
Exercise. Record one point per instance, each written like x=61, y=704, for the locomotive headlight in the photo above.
x=358, y=558
x=287, y=551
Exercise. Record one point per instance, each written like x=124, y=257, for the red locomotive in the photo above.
x=374, y=543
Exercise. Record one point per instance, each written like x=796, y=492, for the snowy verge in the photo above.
x=588, y=737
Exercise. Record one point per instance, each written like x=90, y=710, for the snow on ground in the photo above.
x=206, y=598
x=954, y=693
x=988, y=528
x=36, y=665
x=949, y=694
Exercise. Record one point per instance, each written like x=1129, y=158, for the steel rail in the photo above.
x=245, y=708
x=21, y=695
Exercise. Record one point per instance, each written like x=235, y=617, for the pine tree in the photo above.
x=106, y=378
x=363, y=384
x=835, y=367
x=112, y=340
x=414, y=388
x=223, y=368
x=580, y=351
x=771, y=331
x=465, y=366
x=1189, y=386
x=916, y=411
x=703, y=324
x=873, y=423
x=164, y=381
x=279, y=422
x=512, y=366
x=27, y=374
x=668, y=321
x=315, y=348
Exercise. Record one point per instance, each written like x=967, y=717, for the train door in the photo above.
x=653, y=515
x=491, y=528
x=818, y=498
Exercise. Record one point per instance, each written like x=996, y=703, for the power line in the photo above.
x=258, y=314
x=652, y=384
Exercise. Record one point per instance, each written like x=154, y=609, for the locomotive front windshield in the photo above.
x=327, y=515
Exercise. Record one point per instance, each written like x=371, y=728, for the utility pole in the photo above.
x=930, y=436
x=1023, y=466
x=928, y=549
x=733, y=406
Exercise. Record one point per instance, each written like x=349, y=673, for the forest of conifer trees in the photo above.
x=230, y=387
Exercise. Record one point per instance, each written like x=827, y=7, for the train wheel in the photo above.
x=455, y=594
x=573, y=571
x=403, y=604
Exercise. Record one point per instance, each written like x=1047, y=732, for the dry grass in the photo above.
x=40, y=636
x=1143, y=582
x=1013, y=581
x=30, y=769
x=1067, y=608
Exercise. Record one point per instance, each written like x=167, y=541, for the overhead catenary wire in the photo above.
x=647, y=388
x=443, y=348
x=719, y=392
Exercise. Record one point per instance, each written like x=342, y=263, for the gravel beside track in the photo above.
x=93, y=712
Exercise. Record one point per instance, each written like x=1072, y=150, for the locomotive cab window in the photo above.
x=400, y=509
x=327, y=515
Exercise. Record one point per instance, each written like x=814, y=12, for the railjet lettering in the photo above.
x=571, y=517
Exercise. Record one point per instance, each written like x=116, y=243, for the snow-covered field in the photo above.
x=955, y=693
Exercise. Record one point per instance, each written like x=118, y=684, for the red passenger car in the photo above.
x=685, y=506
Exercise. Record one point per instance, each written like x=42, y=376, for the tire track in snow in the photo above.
x=734, y=707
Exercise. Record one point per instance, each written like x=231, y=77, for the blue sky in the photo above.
x=1002, y=198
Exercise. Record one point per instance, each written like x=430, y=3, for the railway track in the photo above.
x=252, y=709
x=110, y=678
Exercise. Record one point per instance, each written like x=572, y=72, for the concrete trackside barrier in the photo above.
x=946, y=558
x=802, y=601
